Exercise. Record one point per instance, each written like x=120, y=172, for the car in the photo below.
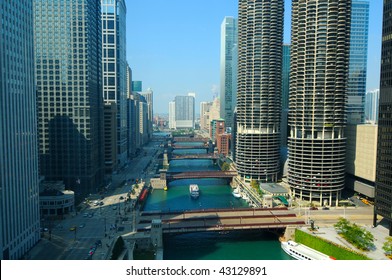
x=85, y=215
x=72, y=228
x=325, y=208
x=82, y=225
x=101, y=203
x=313, y=208
x=121, y=197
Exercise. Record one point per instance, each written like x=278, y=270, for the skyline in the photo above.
x=161, y=59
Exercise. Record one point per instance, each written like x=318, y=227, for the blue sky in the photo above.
x=173, y=46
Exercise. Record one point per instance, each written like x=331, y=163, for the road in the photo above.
x=97, y=222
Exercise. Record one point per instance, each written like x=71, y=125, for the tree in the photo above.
x=254, y=184
x=387, y=247
x=225, y=166
x=359, y=237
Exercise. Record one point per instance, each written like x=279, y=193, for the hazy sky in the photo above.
x=173, y=46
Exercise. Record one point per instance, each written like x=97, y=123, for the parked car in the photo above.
x=313, y=208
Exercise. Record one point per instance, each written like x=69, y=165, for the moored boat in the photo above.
x=301, y=252
x=236, y=193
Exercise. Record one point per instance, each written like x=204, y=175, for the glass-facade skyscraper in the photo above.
x=320, y=41
x=185, y=111
x=260, y=38
x=356, y=86
x=383, y=197
x=114, y=65
x=19, y=200
x=228, y=94
x=68, y=65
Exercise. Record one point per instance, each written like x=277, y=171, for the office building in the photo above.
x=149, y=95
x=114, y=67
x=69, y=93
x=356, y=87
x=19, y=202
x=361, y=158
x=185, y=112
x=217, y=127
x=317, y=102
x=172, y=115
x=223, y=143
x=371, y=106
x=260, y=38
x=229, y=36
x=205, y=115
x=110, y=136
x=383, y=199
x=137, y=86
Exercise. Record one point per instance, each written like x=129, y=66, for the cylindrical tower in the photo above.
x=320, y=37
x=260, y=37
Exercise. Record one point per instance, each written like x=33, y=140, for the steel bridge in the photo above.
x=200, y=174
x=220, y=220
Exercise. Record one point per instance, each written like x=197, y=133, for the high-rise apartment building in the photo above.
x=114, y=67
x=19, y=201
x=356, y=86
x=383, y=198
x=229, y=36
x=320, y=40
x=68, y=65
x=260, y=37
x=371, y=106
x=137, y=86
x=185, y=111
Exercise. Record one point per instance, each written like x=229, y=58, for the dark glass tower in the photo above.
x=320, y=40
x=68, y=63
x=260, y=37
x=383, y=197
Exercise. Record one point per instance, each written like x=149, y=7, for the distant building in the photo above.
x=19, y=201
x=361, y=158
x=356, y=85
x=185, y=112
x=229, y=37
x=371, y=106
x=137, y=86
x=205, y=115
x=217, y=127
x=172, y=115
x=223, y=143
x=149, y=96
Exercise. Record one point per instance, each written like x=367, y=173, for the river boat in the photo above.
x=194, y=190
x=301, y=252
x=236, y=193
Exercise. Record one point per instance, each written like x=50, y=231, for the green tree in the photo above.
x=387, y=247
x=225, y=166
x=359, y=237
x=254, y=184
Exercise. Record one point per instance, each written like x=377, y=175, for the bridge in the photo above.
x=174, y=146
x=196, y=156
x=200, y=174
x=220, y=220
x=190, y=139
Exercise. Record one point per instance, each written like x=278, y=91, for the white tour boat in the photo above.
x=194, y=190
x=302, y=252
x=236, y=193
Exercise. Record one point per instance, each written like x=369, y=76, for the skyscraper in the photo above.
x=260, y=36
x=19, y=201
x=285, y=94
x=185, y=111
x=383, y=198
x=371, y=106
x=149, y=96
x=320, y=40
x=172, y=115
x=356, y=88
x=229, y=36
x=114, y=68
x=68, y=64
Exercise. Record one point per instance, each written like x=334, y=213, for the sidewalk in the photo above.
x=380, y=233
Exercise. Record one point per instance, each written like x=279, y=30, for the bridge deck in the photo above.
x=202, y=174
x=220, y=219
